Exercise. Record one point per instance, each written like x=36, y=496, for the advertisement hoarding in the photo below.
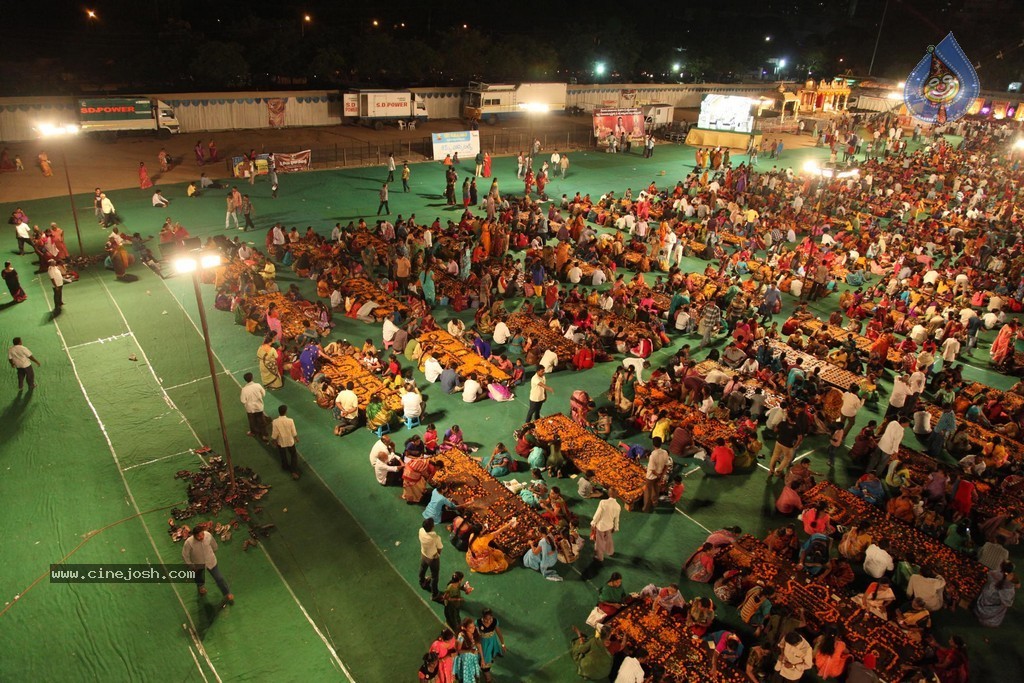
x=618, y=121
x=726, y=112
x=466, y=143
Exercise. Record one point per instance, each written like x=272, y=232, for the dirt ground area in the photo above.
x=114, y=165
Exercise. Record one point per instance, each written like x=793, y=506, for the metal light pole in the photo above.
x=71, y=198
x=878, y=38
x=62, y=132
x=194, y=264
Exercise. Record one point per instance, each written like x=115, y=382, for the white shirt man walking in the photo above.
x=21, y=359
x=538, y=394
x=57, y=279
x=251, y=397
x=657, y=464
x=284, y=434
x=199, y=553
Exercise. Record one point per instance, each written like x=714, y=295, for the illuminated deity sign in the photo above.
x=943, y=84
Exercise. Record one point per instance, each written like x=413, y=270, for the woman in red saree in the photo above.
x=487, y=165
x=1002, y=347
x=144, y=182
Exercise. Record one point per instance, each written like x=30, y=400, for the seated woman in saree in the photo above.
x=593, y=660
x=377, y=414
x=700, y=566
x=877, y=598
x=500, y=462
x=484, y=556
x=498, y=391
x=453, y=438
x=308, y=360
x=415, y=475
x=542, y=555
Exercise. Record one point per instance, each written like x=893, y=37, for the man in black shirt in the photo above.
x=789, y=437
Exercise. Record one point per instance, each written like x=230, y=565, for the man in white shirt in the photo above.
x=347, y=405
x=251, y=397
x=917, y=381
x=598, y=278
x=603, y=525
x=501, y=333
x=21, y=359
x=637, y=365
x=286, y=436
x=159, y=200
x=471, y=390
x=388, y=331
x=658, y=462
x=630, y=671
x=898, y=399
x=430, y=556
x=575, y=273
x=950, y=349
x=388, y=470
x=888, y=444
x=412, y=401
x=928, y=587
x=383, y=445
x=199, y=553
x=877, y=561
x=24, y=234
x=57, y=279
x=852, y=403
x=549, y=361
x=539, y=391
x=244, y=252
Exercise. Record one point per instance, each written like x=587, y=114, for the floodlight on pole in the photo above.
x=306, y=19
x=91, y=14
x=62, y=132
x=599, y=69
x=192, y=263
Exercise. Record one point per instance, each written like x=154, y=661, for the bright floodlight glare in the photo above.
x=767, y=39
x=812, y=167
x=185, y=264
x=209, y=260
x=895, y=96
x=675, y=67
x=901, y=85
x=599, y=68
x=49, y=130
x=782, y=63
x=307, y=18
x=1019, y=144
x=535, y=107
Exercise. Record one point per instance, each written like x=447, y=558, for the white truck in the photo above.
x=491, y=103
x=377, y=107
x=109, y=117
x=657, y=116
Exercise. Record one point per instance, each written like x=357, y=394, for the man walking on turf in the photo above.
x=252, y=398
x=391, y=167
x=384, y=201
x=21, y=359
x=430, y=557
x=57, y=279
x=284, y=434
x=199, y=553
x=538, y=394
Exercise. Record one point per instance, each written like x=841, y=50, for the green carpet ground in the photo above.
x=332, y=594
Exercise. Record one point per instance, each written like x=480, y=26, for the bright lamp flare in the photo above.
x=209, y=260
x=185, y=264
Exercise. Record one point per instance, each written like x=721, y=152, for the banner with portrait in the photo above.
x=276, y=107
x=618, y=122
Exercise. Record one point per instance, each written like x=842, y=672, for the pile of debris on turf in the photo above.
x=210, y=494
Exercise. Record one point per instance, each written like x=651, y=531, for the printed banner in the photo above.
x=283, y=163
x=275, y=108
x=290, y=163
x=726, y=112
x=465, y=142
x=609, y=122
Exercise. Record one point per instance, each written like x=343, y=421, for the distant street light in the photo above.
x=193, y=263
x=675, y=66
x=62, y=133
x=767, y=39
x=376, y=23
x=91, y=14
x=306, y=19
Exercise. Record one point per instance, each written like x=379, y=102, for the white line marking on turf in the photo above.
x=316, y=629
x=190, y=382
x=103, y=340
x=150, y=462
x=131, y=497
x=201, y=672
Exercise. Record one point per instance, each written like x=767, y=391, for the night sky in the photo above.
x=234, y=44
